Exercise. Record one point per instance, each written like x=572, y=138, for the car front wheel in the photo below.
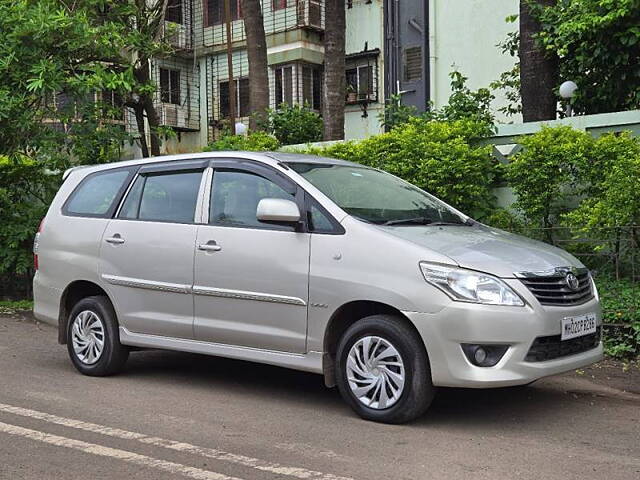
x=382, y=370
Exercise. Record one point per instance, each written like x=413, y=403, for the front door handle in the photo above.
x=210, y=246
x=116, y=239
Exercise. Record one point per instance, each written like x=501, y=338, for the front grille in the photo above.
x=548, y=348
x=552, y=289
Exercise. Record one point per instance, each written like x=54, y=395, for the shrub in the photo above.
x=543, y=173
x=254, y=142
x=26, y=189
x=610, y=178
x=505, y=220
x=463, y=104
x=395, y=113
x=293, y=124
x=620, y=301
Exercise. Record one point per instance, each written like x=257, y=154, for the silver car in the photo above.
x=309, y=263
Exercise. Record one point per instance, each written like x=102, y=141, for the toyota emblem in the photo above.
x=572, y=281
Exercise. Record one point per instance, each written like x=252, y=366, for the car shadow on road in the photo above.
x=264, y=381
x=450, y=407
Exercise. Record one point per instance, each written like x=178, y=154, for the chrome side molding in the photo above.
x=244, y=295
x=146, y=284
x=199, y=290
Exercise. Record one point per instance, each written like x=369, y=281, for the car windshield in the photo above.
x=376, y=196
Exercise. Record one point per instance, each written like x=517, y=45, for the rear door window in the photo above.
x=165, y=197
x=96, y=194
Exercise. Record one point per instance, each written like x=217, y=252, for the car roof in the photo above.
x=270, y=158
x=306, y=158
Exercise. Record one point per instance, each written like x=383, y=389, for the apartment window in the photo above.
x=312, y=86
x=170, y=86
x=360, y=83
x=284, y=85
x=174, y=11
x=278, y=4
x=242, y=98
x=214, y=11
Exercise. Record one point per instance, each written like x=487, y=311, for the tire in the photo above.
x=95, y=318
x=379, y=331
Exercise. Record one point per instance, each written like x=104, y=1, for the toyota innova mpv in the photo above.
x=308, y=263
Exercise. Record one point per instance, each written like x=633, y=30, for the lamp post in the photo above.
x=240, y=128
x=567, y=91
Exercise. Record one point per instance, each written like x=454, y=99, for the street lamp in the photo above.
x=568, y=91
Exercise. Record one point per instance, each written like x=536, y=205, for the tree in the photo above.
x=49, y=75
x=257, y=56
x=334, y=70
x=141, y=30
x=538, y=67
x=598, y=42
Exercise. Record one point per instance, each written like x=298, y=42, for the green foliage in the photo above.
x=598, y=43
x=543, y=173
x=13, y=306
x=441, y=157
x=395, y=113
x=53, y=50
x=254, y=142
x=620, y=301
x=294, y=124
x=463, y=104
x=26, y=189
x=611, y=178
x=505, y=220
x=509, y=81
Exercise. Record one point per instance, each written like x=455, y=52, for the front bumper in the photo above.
x=458, y=323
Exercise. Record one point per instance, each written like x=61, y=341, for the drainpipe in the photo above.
x=431, y=13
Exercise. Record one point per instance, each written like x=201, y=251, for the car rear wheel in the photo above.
x=382, y=370
x=93, y=341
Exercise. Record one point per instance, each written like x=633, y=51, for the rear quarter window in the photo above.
x=96, y=195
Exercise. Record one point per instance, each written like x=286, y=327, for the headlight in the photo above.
x=469, y=286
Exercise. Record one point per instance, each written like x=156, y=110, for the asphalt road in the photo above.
x=173, y=415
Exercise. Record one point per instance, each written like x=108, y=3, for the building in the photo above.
x=393, y=46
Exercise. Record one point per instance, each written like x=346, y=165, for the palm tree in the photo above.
x=334, y=70
x=257, y=56
x=538, y=69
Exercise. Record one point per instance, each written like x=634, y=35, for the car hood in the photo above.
x=486, y=249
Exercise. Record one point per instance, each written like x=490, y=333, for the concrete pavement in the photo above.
x=174, y=415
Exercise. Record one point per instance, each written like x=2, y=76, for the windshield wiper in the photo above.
x=421, y=221
x=409, y=221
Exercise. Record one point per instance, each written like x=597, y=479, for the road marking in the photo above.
x=243, y=460
x=102, y=451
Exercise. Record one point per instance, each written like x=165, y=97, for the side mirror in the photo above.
x=277, y=210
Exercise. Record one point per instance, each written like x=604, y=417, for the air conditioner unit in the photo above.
x=173, y=116
x=310, y=13
x=176, y=34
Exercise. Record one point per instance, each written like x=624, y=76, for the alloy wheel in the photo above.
x=87, y=337
x=375, y=372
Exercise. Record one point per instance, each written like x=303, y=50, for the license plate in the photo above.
x=573, y=327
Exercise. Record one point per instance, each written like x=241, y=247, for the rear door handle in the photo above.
x=210, y=246
x=116, y=239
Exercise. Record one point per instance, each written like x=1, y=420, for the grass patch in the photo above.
x=12, y=306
